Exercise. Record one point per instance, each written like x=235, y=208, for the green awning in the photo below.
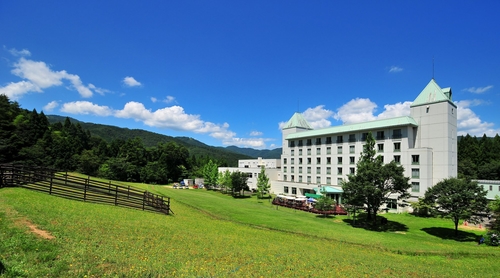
x=311, y=195
x=328, y=189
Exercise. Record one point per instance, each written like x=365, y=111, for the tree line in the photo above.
x=479, y=158
x=28, y=137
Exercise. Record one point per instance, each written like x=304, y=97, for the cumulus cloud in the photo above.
x=39, y=76
x=395, y=110
x=167, y=99
x=395, y=69
x=22, y=53
x=256, y=143
x=318, y=116
x=356, y=111
x=100, y=91
x=50, y=106
x=131, y=82
x=86, y=108
x=470, y=123
x=478, y=90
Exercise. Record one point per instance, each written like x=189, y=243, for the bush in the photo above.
x=492, y=238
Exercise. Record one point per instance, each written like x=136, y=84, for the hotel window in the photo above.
x=284, y=177
x=397, y=159
x=415, y=159
x=294, y=190
x=318, y=151
x=380, y=148
x=380, y=135
x=292, y=169
x=300, y=178
x=309, y=142
x=300, y=160
x=340, y=139
x=339, y=171
x=339, y=149
x=300, y=170
x=351, y=160
x=396, y=134
x=339, y=160
x=339, y=181
x=291, y=144
x=352, y=137
x=308, y=151
x=415, y=187
x=285, y=189
x=293, y=178
x=300, y=152
x=328, y=140
x=308, y=170
x=364, y=136
x=352, y=170
x=351, y=149
x=309, y=179
x=328, y=170
x=308, y=160
x=318, y=180
x=328, y=180
x=328, y=160
x=284, y=160
x=293, y=152
x=397, y=147
x=292, y=160
x=284, y=169
x=329, y=150
x=300, y=143
x=318, y=170
x=318, y=141
x=318, y=160
x=415, y=173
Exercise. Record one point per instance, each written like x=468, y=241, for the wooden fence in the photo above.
x=85, y=189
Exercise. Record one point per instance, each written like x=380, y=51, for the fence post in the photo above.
x=116, y=195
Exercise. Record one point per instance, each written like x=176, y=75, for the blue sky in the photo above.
x=231, y=72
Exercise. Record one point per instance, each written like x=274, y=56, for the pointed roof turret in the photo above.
x=432, y=93
x=297, y=120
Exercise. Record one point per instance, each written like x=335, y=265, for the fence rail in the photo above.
x=78, y=188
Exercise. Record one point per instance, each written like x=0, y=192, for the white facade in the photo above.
x=252, y=168
x=424, y=143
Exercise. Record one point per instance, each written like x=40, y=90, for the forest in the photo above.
x=28, y=137
x=121, y=154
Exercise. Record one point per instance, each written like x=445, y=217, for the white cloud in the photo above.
x=86, y=108
x=100, y=91
x=318, y=116
x=395, y=110
x=356, y=111
x=395, y=69
x=470, y=123
x=257, y=143
x=131, y=82
x=169, y=99
x=478, y=90
x=255, y=133
x=41, y=77
x=16, y=90
x=50, y=106
x=153, y=99
x=22, y=53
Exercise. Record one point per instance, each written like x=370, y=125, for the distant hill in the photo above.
x=150, y=139
x=267, y=154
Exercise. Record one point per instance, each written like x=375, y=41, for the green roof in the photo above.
x=328, y=189
x=378, y=124
x=432, y=93
x=297, y=120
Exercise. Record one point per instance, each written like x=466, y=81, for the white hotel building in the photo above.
x=424, y=143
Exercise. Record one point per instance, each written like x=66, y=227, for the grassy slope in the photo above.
x=214, y=235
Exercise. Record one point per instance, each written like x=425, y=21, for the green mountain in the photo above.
x=266, y=154
x=150, y=139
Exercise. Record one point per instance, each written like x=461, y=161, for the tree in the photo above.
x=324, y=203
x=494, y=207
x=225, y=180
x=210, y=174
x=263, y=185
x=374, y=182
x=458, y=199
x=238, y=182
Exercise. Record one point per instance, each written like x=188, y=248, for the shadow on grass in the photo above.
x=381, y=225
x=241, y=196
x=328, y=216
x=447, y=233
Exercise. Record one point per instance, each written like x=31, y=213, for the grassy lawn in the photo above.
x=212, y=234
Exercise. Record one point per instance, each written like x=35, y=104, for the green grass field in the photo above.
x=214, y=235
